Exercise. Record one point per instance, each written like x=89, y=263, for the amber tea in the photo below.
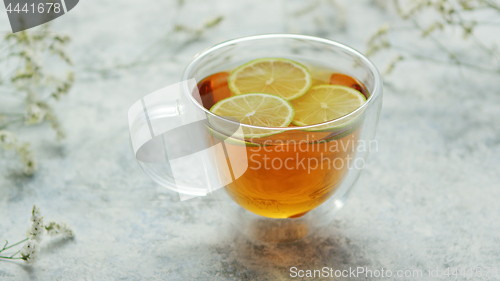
x=293, y=171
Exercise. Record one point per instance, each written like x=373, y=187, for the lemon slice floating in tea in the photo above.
x=278, y=76
x=325, y=103
x=259, y=109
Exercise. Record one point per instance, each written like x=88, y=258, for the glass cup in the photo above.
x=278, y=188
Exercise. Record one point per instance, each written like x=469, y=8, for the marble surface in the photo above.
x=427, y=199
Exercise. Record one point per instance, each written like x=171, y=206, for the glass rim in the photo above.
x=377, y=87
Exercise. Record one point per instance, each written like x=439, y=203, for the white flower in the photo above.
x=36, y=230
x=35, y=213
x=54, y=228
x=30, y=251
x=8, y=140
x=27, y=158
x=34, y=114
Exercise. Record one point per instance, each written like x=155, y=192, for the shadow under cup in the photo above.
x=293, y=181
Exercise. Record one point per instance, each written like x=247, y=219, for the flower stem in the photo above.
x=6, y=248
x=10, y=258
x=15, y=253
x=11, y=113
x=12, y=121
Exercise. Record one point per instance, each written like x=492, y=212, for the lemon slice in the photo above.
x=259, y=109
x=325, y=103
x=281, y=77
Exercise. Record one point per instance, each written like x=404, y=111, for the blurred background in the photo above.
x=427, y=199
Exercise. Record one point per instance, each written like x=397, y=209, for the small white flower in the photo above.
x=30, y=251
x=8, y=140
x=36, y=230
x=34, y=114
x=54, y=228
x=384, y=28
x=35, y=213
x=30, y=167
x=27, y=158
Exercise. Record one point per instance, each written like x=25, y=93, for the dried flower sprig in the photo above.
x=8, y=141
x=33, y=83
x=379, y=40
x=168, y=44
x=320, y=13
x=451, y=14
x=34, y=235
x=194, y=34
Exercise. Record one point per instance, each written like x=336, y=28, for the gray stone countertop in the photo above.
x=429, y=198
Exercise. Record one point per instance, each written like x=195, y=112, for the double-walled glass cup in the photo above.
x=277, y=187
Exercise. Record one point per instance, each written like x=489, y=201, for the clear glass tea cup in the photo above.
x=277, y=188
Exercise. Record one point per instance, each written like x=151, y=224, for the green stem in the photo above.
x=11, y=114
x=7, y=124
x=6, y=248
x=9, y=92
x=491, y=52
x=453, y=62
x=454, y=59
x=491, y=5
x=15, y=254
x=488, y=23
x=10, y=258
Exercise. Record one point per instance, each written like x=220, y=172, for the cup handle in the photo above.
x=150, y=119
x=172, y=143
